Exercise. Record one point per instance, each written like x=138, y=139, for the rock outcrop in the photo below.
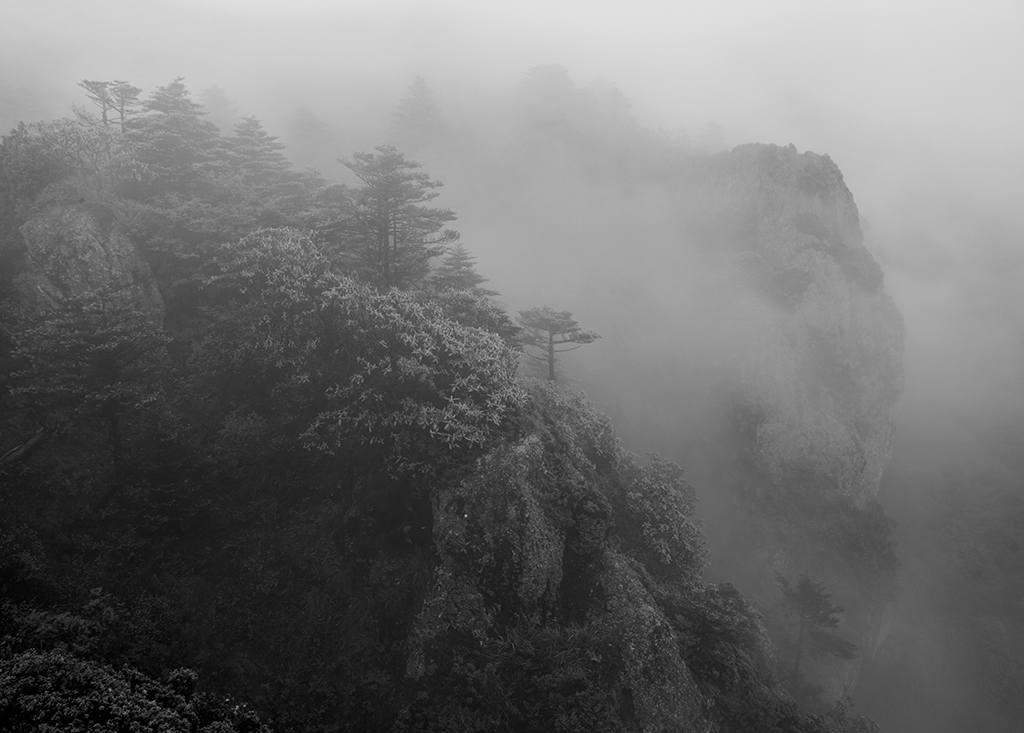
x=812, y=384
x=567, y=595
x=820, y=342
x=75, y=251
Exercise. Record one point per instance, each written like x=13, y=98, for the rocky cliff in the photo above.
x=819, y=343
x=734, y=293
x=806, y=390
x=567, y=595
x=71, y=253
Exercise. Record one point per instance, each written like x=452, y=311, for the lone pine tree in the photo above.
x=552, y=332
x=812, y=606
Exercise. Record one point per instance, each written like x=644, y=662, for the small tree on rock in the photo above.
x=812, y=606
x=552, y=332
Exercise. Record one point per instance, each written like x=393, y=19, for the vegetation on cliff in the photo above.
x=247, y=433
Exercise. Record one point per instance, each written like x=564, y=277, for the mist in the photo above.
x=917, y=103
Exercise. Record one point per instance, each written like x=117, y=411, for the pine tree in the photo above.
x=173, y=139
x=256, y=155
x=549, y=331
x=269, y=192
x=219, y=108
x=389, y=235
x=418, y=122
x=113, y=98
x=310, y=139
x=812, y=606
x=457, y=271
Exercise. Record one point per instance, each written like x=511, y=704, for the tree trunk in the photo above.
x=22, y=450
x=551, y=356
x=114, y=424
x=796, y=661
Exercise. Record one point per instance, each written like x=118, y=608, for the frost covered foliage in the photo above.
x=660, y=505
x=62, y=692
x=373, y=368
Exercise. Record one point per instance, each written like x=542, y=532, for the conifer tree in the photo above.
x=551, y=332
x=418, y=122
x=269, y=191
x=457, y=271
x=310, y=138
x=113, y=98
x=812, y=606
x=389, y=235
x=256, y=155
x=174, y=139
x=219, y=108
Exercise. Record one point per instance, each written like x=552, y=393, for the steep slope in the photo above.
x=747, y=335
x=339, y=502
x=550, y=582
x=567, y=596
x=805, y=399
x=820, y=362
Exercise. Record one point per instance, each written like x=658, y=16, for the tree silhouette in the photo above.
x=812, y=606
x=96, y=358
x=389, y=235
x=174, y=139
x=550, y=331
x=255, y=154
x=458, y=272
x=219, y=108
x=309, y=136
x=418, y=122
x=113, y=98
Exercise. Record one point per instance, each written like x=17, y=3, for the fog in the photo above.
x=918, y=104
x=915, y=102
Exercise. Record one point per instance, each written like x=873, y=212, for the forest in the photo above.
x=271, y=460
x=276, y=454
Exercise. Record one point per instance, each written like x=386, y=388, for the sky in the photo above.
x=921, y=104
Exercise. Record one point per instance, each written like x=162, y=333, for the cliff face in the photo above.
x=566, y=595
x=819, y=343
x=808, y=386
x=74, y=251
